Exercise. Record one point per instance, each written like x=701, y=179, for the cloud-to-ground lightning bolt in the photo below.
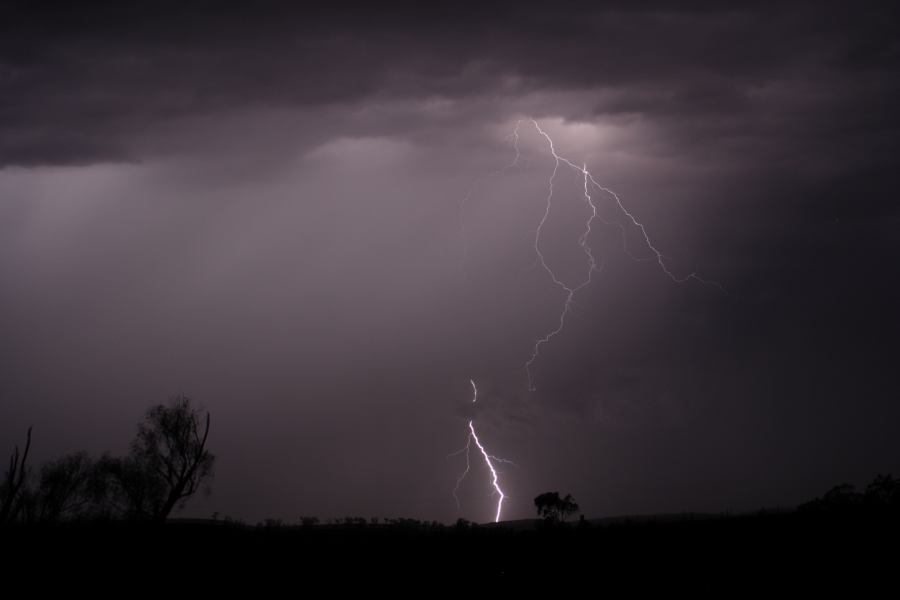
x=570, y=291
x=489, y=460
x=590, y=184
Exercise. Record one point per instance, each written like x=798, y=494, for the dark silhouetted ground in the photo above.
x=726, y=555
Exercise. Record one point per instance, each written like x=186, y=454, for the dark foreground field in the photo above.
x=739, y=552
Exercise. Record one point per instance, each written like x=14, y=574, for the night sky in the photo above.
x=262, y=208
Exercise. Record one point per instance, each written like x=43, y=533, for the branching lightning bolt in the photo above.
x=570, y=291
x=489, y=460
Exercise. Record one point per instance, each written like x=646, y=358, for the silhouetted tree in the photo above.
x=167, y=464
x=883, y=493
x=134, y=492
x=12, y=492
x=171, y=443
x=71, y=487
x=552, y=508
x=842, y=496
x=309, y=521
x=841, y=499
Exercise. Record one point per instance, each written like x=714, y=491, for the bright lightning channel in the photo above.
x=489, y=460
x=570, y=291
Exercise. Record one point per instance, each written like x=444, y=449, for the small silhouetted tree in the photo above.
x=135, y=493
x=883, y=493
x=72, y=487
x=167, y=464
x=171, y=443
x=12, y=489
x=841, y=499
x=554, y=509
x=309, y=521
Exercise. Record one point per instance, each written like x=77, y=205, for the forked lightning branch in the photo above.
x=593, y=192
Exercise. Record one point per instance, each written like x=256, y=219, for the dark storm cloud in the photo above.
x=86, y=82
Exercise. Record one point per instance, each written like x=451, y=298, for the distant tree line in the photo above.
x=167, y=463
x=882, y=495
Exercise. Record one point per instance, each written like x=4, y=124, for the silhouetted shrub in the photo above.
x=554, y=509
x=70, y=488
